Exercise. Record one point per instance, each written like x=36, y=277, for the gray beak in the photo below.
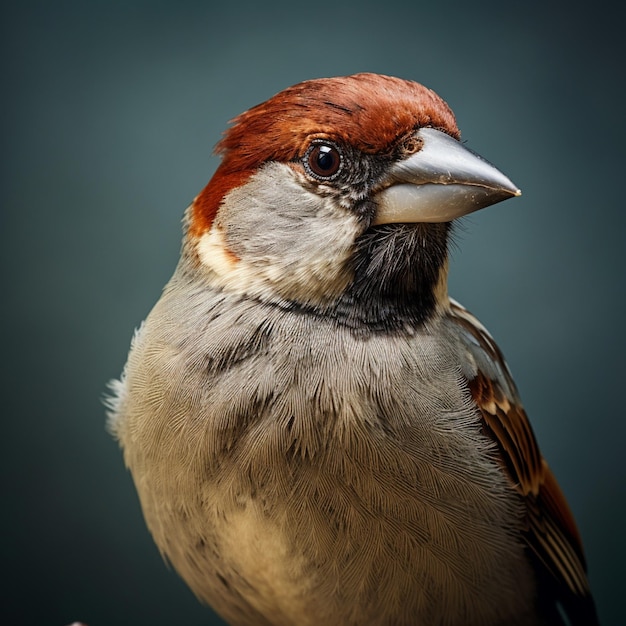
x=441, y=182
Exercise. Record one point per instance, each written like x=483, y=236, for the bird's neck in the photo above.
x=400, y=277
x=394, y=277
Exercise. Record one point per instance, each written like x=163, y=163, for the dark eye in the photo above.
x=323, y=160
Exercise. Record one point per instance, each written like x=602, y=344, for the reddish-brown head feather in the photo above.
x=369, y=111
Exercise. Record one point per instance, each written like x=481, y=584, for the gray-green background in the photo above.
x=109, y=114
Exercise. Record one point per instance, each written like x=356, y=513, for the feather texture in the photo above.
x=551, y=532
x=317, y=434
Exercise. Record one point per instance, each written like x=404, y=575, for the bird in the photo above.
x=317, y=432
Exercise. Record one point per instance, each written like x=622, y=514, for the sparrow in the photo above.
x=317, y=432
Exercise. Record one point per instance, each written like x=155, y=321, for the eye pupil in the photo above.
x=323, y=160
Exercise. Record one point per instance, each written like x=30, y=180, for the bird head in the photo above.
x=336, y=195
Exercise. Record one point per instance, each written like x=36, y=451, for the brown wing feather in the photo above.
x=552, y=534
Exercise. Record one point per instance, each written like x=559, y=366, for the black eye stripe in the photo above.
x=323, y=160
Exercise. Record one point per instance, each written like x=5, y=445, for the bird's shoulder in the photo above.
x=551, y=533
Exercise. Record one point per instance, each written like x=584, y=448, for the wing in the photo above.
x=551, y=534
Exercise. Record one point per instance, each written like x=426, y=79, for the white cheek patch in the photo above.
x=286, y=242
x=228, y=271
x=213, y=253
x=305, y=279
